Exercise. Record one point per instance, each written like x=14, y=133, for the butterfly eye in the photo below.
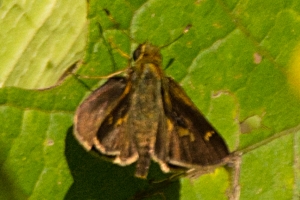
x=137, y=53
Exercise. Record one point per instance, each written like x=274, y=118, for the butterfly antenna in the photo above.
x=117, y=25
x=108, y=46
x=187, y=28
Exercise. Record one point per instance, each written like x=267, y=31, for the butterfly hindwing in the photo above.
x=114, y=137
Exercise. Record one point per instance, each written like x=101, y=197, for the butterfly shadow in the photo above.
x=96, y=178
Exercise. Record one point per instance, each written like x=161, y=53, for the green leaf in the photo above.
x=238, y=62
x=39, y=40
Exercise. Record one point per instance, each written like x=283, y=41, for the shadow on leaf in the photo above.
x=95, y=178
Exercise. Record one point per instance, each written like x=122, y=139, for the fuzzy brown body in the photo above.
x=145, y=113
x=147, y=116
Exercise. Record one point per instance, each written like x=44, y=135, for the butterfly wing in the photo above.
x=114, y=137
x=95, y=109
x=192, y=140
x=101, y=121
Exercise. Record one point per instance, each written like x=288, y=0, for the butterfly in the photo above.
x=147, y=116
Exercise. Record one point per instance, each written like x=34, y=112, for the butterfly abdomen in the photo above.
x=143, y=162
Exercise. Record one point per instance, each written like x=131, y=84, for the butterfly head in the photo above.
x=147, y=53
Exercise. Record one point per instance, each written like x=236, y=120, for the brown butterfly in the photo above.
x=147, y=116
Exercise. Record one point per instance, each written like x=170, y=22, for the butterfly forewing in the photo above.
x=96, y=108
x=193, y=141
